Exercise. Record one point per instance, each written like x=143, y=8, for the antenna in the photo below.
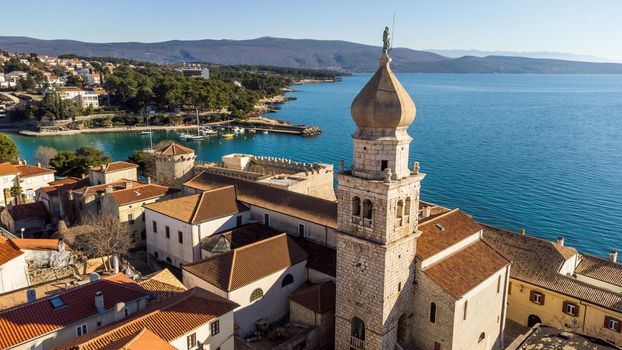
x=392, y=33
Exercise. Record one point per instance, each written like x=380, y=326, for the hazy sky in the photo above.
x=591, y=27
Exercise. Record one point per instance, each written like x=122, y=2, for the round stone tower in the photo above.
x=174, y=165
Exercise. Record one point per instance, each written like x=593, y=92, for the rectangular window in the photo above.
x=266, y=219
x=571, y=309
x=155, y=226
x=437, y=345
x=238, y=220
x=81, y=330
x=130, y=218
x=191, y=340
x=384, y=164
x=167, y=231
x=613, y=324
x=215, y=327
x=180, y=237
x=301, y=230
x=537, y=298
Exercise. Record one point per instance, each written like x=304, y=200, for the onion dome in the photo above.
x=383, y=102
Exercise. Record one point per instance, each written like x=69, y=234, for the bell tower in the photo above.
x=377, y=218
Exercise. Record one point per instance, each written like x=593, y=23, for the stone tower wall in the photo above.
x=173, y=171
x=372, y=146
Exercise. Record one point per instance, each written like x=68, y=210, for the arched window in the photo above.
x=407, y=210
x=287, y=280
x=399, y=213
x=367, y=213
x=432, y=312
x=256, y=294
x=356, y=210
x=481, y=337
x=358, y=328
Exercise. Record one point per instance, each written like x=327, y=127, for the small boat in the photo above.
x=237, y=130
x=208, y=132
x=190, y=137
x=228, y=136
x=146, y=132
x=265, y=132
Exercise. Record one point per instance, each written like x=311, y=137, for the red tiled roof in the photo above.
x=321, y=258
x=26, y=170
x=8, y=251
x=7, y=169
x=444, y=231
x=208, y=205
x=168, y=320
x=319, y=298
x=173, y=150
x=21, y=323
x=117, y=185
x=464, y=270
x=29, y=210
x=64, y=181
x=600, y=269
x=141, y=193
x=239, y=267
x=115, y=166
x=147, y=340
x=37, y=244
x=305, y=207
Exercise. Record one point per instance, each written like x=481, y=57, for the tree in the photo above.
x=145, y=162
x=8, y=149
x=77, y=80
x=78, y=162
x=54, y=107
x=100, y=237
x=44, y=154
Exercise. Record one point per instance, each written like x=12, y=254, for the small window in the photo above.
x=571, y=309
x=266, y=219
x=437, y=345
x=301, y=230
x=481, y=337
x=126, y=312
x=384, y=164
x=287, y=280
x=191, y=340
x=155, y=226
x=130, y=218
x=256, y=294
x=238, y=220
x=180, y=237
x=537, y=298
x=215, y=327
x=81, y=330
x=433, y=312
x=57, y=302
x=613, y=324
x=167, y=232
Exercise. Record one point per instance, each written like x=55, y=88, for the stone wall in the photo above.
x=173, y=171
x=325, y=322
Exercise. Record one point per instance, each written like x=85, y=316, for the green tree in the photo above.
x=8, y=149
x=14, y=64
x=78, y=162
x=54, y=107
x=77, y=80
x=145, y=162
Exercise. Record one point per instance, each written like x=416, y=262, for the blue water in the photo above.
x=540, y=152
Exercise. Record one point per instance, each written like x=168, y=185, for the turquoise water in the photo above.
x=541, y=152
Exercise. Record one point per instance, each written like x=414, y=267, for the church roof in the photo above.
x=318, y=298
x=383, y=102
x=443, y=231
x=174, y=149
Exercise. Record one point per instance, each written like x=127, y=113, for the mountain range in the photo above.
x=303, y=53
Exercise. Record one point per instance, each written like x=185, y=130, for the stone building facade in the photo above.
x=174, y=165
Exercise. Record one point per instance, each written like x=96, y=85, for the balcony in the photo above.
x=356, y=219
x=356, y=343
x=367, y=222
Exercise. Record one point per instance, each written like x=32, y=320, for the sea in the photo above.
x=539, y=152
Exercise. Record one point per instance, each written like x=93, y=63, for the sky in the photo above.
x=588, y=27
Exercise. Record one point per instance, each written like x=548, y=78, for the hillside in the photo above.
x=303, y=53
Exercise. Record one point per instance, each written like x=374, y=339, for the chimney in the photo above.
x=38, y=165
x=613, y=256
x=148, y=179
x=427, y=211
x=31, y=295
x=128, y=183
x=103, y=168
x=99, y=302
x=109, y=189
x=115, y=263
x=521, y=232
x=560, y=240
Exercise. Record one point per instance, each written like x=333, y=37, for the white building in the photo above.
x=8, y=174
x=13, y=77
x=30, y=179
x=13, y=267
x=113, y=172
x=83, y=98
x=259, y=277
x=176, y=227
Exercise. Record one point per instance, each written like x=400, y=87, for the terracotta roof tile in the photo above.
x=117, y=185
x=37, y=244
x=26, y=170
x=239, y=267
x=7, y=169
x=8, y=251
x=464, y=270
x=319, y=297
x=168, y=320
x=237, y=237
x=538, y=262
x=29, y=210
x=162, y=285
x=600, y=269
x=208, y=205
x=308, y=208
x=64, y=181
x=321, y=258
x=444, y=231
x=173, y=150
x=147, y=340
x=141, y=193
x=28, y=321
x=114, y=166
